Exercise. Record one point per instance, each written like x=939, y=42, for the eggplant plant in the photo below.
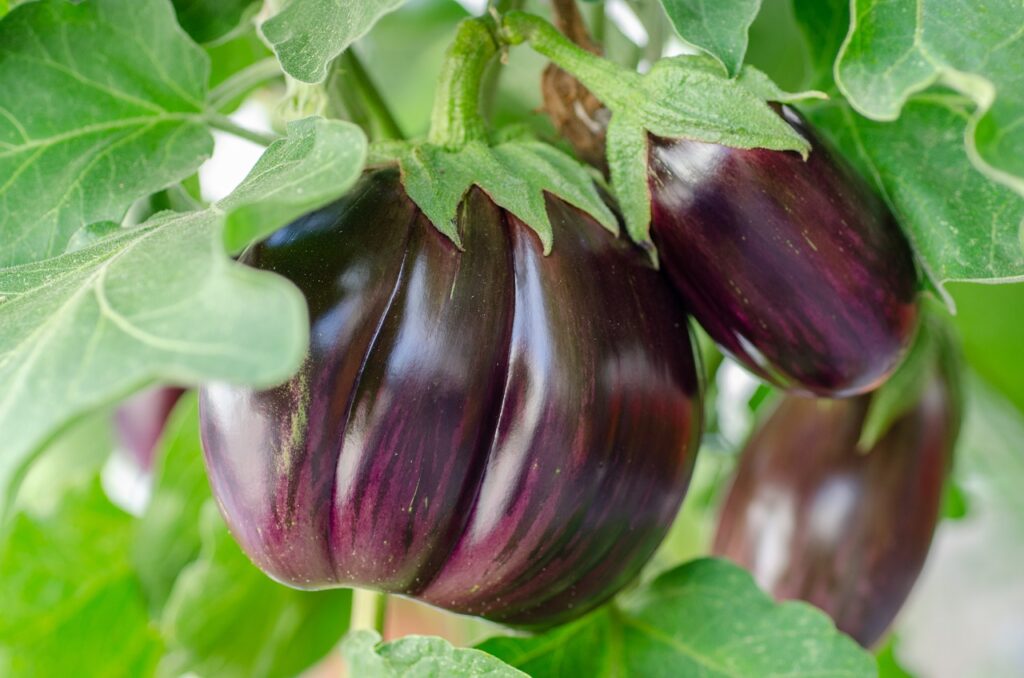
x=468, y=306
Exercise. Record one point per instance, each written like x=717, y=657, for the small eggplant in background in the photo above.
x=815, y=514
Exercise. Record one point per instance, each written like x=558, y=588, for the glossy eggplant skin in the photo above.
x=815, y=518
x=495, y=431
x=795, y=268
x=139, y=422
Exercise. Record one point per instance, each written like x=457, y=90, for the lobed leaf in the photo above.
x=962, y=226
x=315, y=163
x=703, y=618
x=308, y=34
x=718, y=28
x=102, y=104
x=896, y=49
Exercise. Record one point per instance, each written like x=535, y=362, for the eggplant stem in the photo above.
x=244, y=81
x=456, y=118
x=354, y=74
x=369, y=610
x=226, y=124
x=606, y=80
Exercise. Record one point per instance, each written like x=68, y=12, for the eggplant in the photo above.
x=817, y=519
x=140, y=420
x=795, y=268
x=493, y=431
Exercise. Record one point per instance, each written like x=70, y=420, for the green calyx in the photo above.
x=456, y=119
x=689, y=97
x=934, y=354
x=609, y=82
x=457, y=154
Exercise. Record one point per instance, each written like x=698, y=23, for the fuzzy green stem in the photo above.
x=456, y=117
x=243, y=82
x=354, y=74
x=226, y=124
x=369, y=609
x=606, y=80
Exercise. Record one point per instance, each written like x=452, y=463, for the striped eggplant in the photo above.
x=815, y=518
x=139, y=422
x=795, y=268
x=494, y=431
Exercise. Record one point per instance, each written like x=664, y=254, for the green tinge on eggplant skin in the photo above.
x=815, y=518
x=493, y=431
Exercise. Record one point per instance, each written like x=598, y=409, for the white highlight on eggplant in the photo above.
x=771, y=521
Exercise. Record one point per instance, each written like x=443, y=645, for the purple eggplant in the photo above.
x=815, y=518
x=140, y=422
x=795, y=268
x=493, y=431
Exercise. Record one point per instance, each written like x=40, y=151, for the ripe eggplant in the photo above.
x=815, y=518
x=140, y=421
x=493, y=431
x=795, y=268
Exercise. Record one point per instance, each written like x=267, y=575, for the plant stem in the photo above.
x=605, y=79
x=243, y=82
x=369, y=610
x=226, y=124
x=456, y=117
x=355, y=76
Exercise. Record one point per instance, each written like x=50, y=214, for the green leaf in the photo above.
x=65, y=584
x=515, y=175
x=962, y=226
x=704, y=618
x=102, y=105
x=167, y=536
x=895, y=49
x=419, y=657
x=225, y=618
x=315, y=163
x=308, y=34
x=160, y=301
x=210, y=20
x=718, y=28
